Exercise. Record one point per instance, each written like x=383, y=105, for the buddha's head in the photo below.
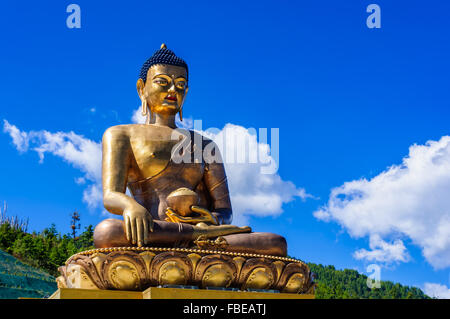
x=163, y=83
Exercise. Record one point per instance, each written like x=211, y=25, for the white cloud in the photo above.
x=252, y=193
x=80, y=180
x=93, y=195
x=76, y=150
x=437, y=290
x=20, y=139
x=137, y=117
x=383, y=252
x=408, y=201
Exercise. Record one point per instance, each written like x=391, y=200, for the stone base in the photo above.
x=138, y=268
x=170, y=293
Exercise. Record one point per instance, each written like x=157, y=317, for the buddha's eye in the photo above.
x=181, y=84
x=161, y=81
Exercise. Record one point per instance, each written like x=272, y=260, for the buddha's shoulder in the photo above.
x=133, y=131
x=139, y=130
x=123, y=131
x=127, y=128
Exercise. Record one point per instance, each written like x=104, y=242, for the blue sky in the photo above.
x=349, y=102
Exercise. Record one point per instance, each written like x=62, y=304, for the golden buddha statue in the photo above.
x=173, y=203
x=176, y=224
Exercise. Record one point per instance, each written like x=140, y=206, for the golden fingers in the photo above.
x=205, y=216
x=138, y=222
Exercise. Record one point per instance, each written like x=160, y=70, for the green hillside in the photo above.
x=20, y=280
x=349, y=284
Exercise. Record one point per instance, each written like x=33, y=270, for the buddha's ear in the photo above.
x=140, y=86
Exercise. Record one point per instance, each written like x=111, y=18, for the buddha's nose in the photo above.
x=172, y=88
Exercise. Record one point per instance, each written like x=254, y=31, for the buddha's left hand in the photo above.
x=205, y=216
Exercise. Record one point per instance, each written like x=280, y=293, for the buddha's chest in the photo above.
x=151, y=156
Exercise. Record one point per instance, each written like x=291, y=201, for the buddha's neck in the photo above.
x=163, y=120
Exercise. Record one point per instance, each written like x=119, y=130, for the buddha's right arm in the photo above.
x=115, y=168
x=115, y=164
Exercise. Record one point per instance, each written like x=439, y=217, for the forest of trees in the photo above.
x=49, y=249
x=349, y=284
x=46, y=250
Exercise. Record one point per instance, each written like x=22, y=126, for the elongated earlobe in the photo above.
x=144, y=106
x=182, y=103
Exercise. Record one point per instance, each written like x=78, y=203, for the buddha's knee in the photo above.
x=110, y=233
x=258, y=243
x=275, y=244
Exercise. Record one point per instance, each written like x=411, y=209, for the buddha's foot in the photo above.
x=204, y=243
x=212, y=231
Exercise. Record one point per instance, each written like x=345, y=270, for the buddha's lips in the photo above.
x=171, y=98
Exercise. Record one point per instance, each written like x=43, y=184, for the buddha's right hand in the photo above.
x=138, y=222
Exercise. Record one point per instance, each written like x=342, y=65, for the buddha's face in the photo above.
x=164, y=89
